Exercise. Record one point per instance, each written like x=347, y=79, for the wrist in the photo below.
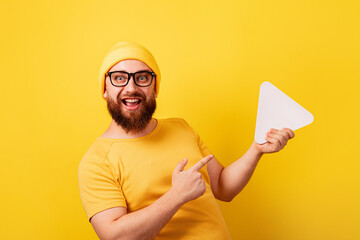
x=257, y=153
x=175, y=196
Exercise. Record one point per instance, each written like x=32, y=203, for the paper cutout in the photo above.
x=277, y=110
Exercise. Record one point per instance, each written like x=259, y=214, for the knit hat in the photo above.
x=123, y=51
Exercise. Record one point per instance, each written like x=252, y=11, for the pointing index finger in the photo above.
x=202, y=163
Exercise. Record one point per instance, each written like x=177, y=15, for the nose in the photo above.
x=131, y=86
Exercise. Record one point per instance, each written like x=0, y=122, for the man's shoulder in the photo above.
x=176, y=125
x=173, y=121
x=97, y=152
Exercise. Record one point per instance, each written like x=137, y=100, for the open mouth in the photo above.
x=131, y=103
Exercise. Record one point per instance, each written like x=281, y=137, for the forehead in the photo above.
x=130, y=65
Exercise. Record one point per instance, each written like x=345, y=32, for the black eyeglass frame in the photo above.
x=129, y=76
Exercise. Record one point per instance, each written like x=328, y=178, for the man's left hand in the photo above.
x=277, y=140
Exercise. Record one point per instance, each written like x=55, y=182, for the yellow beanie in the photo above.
x=127, y=50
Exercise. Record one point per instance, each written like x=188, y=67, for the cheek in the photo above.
x=150, y=94
x=109, y=87
x=113, y=92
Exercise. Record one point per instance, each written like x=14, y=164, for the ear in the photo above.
x=155, y=90
x=105, y=90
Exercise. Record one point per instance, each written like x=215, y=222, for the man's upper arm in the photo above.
x=99, y=187
x=214, y=168
x=102, y=221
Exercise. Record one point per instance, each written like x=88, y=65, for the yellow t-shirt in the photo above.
x=134, y=173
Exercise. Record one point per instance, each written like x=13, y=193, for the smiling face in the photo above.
x=131, y=106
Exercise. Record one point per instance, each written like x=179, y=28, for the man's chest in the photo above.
x=145, y=172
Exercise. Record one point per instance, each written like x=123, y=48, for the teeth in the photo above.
x=131, y=100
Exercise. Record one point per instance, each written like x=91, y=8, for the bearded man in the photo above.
x=147, y=178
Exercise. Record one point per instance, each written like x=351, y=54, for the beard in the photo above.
x=133, y=121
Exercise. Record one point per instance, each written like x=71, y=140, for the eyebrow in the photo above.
x=147, y=70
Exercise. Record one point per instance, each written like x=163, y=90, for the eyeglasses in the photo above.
x=121, y=78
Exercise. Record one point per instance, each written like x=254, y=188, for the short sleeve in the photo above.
x=203, y=148
x=99, y=186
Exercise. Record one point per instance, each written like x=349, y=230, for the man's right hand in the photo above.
x=189, y=184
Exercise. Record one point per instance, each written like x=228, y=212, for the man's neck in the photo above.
x=116, y=131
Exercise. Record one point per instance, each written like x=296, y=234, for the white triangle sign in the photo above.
x=277, y=110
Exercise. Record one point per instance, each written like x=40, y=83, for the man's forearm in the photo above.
x=234, y=177
x=146, y=223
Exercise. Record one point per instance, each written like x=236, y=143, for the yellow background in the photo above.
x=213, y=57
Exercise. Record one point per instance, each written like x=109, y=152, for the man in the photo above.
x=147, y=178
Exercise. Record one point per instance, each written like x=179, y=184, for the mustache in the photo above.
x=132, y=95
